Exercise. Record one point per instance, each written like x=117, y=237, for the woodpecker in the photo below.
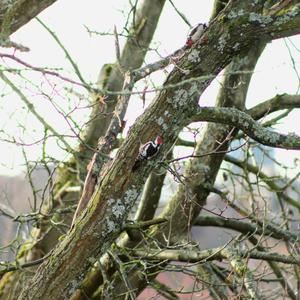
x=147, y=151
x=195, y=34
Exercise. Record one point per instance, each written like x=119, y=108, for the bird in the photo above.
x=147, y=151
x=195, y=34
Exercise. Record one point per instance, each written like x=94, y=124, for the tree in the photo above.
x=103, y=255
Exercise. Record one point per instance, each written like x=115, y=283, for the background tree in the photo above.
x=103, y=254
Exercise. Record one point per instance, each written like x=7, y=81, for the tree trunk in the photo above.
x=102, y=221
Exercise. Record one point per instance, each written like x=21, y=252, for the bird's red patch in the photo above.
x=189, y=43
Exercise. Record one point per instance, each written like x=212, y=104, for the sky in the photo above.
x=275, y=72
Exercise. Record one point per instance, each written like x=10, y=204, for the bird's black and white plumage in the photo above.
x=195, y=34
x=147, y=151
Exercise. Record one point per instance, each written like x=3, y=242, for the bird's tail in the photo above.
x=136, y=165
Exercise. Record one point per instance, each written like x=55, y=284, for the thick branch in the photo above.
x=25, y=12
x=278, y=102
x=219, y=253
x=201, y=171
x=244, y=227
x=242, y=121
x=111, y=79
x=102, y=221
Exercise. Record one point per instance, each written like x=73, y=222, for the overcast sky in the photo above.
x=69, y=19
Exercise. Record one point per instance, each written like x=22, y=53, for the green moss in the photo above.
x=12, y=10
x=24, y=249
x=222, y=18
x=287, y=11
x=6, y=278
x=105, y=75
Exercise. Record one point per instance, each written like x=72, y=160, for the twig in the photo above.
x=144, y=224
x=42, y=70
x=119, y=265
x=265, y=178
x=8, y=267
x=163, y=289
x=68, y=56
x=242, y=271
x=244, y=227
x=183, y=17
x=34, y=112
x=117, y=48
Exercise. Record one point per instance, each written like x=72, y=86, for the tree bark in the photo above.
x=24, y=12
x=229, y=35
x=110, y=78
x=190, y=197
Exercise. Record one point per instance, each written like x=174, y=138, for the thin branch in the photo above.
x=117, y=48
x=276, y=103
x=163, y=290
x=244, y=227
x=243, y=272
x=42, y=70
x=286, y=234
x=182, y=16
x=276, y=269
x=265, y=178
x=145, y=71
x=34, y=112
x=278, y=118
x=68, y=56
x=120, y=267
x=8, y=267
x=144, y=224
x=29, y=170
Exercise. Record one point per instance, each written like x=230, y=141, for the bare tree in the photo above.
x=103, y=253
